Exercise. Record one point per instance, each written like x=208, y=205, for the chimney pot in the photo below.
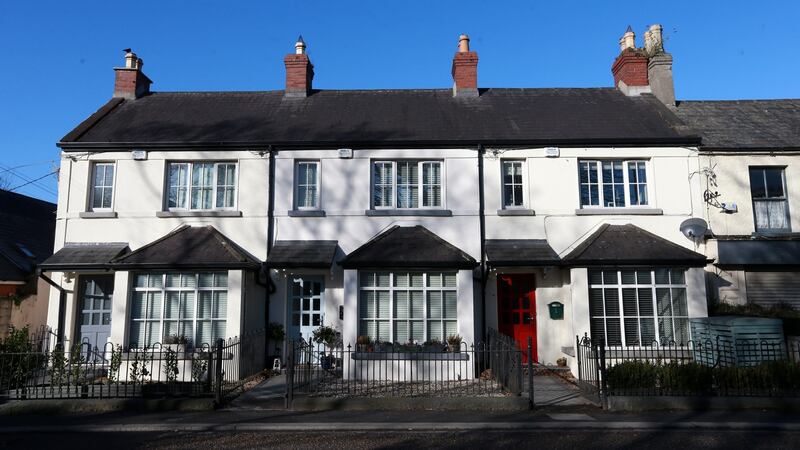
x=300, y=46
x=463, y=43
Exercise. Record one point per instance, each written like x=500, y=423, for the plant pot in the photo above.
x=454, y=348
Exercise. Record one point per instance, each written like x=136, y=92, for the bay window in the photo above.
x=613, y=183
x=201, y=185
x=398, y=184
x=193, y=305
x=638, y=306
x=408, y=306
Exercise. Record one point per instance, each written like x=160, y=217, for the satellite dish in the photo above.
x=694, y=228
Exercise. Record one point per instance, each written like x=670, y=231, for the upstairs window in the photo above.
x=398, y=184
x=770, y=205
x=512, y=184
x=613, y=183
x=306, y=185
x=102, y=193
x=201, y=185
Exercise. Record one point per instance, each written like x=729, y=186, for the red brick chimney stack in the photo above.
x=465, y=70
x=129, y=81
x=630, y=67
x=299, y=71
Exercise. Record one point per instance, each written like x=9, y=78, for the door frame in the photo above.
x=78, y=295
x=531, y=276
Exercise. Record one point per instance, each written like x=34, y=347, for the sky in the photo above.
x=56, y=57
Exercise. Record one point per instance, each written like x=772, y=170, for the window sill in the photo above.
x=516, y=212
x=775, y=234
x=98, y=215
x=409, y=212
x=198, y=214
x=306, y=213
x=619, y=212
x=410, y=356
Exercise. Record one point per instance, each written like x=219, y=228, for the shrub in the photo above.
x=18, y=360
x=328, y=336
x=632, y=375
x=676, y=377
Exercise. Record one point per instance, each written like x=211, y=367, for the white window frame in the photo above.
x=188, y=186
x=783, y=199
x=626, y=182
x=522, y=185
x=92, y=186
x=420, y=183
x=426, y=289
x=162, y=319
x=653, y=286
x=297, y=185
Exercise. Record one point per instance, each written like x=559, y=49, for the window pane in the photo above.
x=596, y=302
x=662, y=276
x=401, y=305
x=643, y=277
x=417, y=331
x=611, y=302
x=632, y=332
x=774, y=182
x=678, y=276
x=663, y=302
x=383, y=304
x=628, y=277
x=613, y=332
x=679, y=307
x=595, y=277
x=173, y=306
x=154, y=305
x=629, y=302
x=648, y=330
x=417, y=305
x=434, y=305
x=401, y=332
x=220, y=305
x=450, y=305
x=139, y=305
x=435, y=330
x=645, y=301
x=757, y=183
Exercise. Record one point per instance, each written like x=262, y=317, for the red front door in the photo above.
x=516, y=309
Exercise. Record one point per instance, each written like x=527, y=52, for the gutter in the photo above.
x=367, y=144
x=62, y=305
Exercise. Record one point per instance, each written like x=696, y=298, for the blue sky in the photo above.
x=57, y=56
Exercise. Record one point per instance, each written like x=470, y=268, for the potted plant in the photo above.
x=454, y=343
x=176, y=343
x=330, y=338
x=561, y=362
x=363, y=344
x=276, y=334
x=433, y=346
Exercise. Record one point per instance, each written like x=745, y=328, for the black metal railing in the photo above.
x=160, y=370
x=486, y=369
x=743, y=367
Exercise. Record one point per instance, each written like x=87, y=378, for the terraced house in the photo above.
x=403, y=215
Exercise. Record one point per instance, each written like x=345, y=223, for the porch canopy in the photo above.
x=408, y=247
x=520, y=252
x=188, y=248
x=615, y=245
x=84, y=256
x=759, y=253
x=302, y=254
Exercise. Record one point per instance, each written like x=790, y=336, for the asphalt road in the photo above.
x=562, y=439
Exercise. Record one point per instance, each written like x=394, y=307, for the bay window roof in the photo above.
x=189, y=248
x=615, y=245
x=408, y=247
x=302, y=254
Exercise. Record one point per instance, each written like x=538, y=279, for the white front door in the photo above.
x=95, y=312
x=306, y=306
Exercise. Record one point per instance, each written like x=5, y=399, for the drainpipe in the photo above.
x=270, y=232
x=482, y=220
x=62, y=305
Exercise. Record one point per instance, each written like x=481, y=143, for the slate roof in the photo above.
x=408, y=247
x=84, y=256
x=744, y=124
x=189, y=248
x=381, y=117
x=520, y=252
x=613, y=245
x=305, y=254
x=25, y=223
